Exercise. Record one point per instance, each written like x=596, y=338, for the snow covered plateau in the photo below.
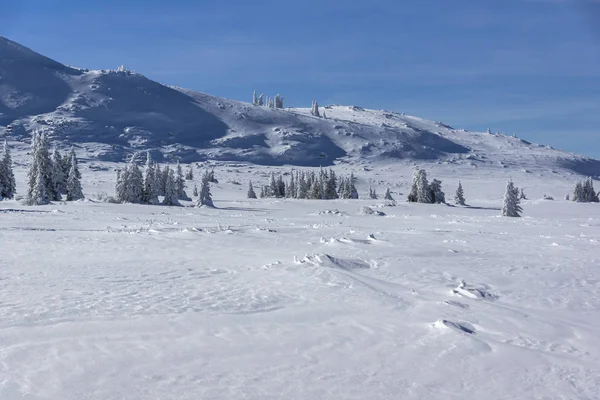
x=283, y=298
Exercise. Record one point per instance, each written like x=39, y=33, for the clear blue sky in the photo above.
x=530, y=67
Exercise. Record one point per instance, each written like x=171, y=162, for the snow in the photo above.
x=302, y=299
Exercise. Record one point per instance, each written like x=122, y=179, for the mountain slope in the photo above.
x=115, y=113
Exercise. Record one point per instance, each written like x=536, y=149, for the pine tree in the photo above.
x=280, y=187
x=459, y=197
x=150, y=184
x=72, y=156
x=388, y=195
x=171, y=194
x=58, y=175
x=436, y=195
x=74, y=191
x=261, y=99
x=189, y=174
x=205, y=195
x=130, y=184
x=302, y=186
x=40, y=172
x=511, y=206
x=180, y=183
x=315, y=109
x=351, y=187
x=159, y=180
x=331, y=186
x=589, y=191
x=195, y=192
x=251, y=193
x=278, y=101
x=578, y=194
x=315, y=190
x=38, y=195
x=290, y=189
x=254, y=99
x=7, y=176
x=273, y=189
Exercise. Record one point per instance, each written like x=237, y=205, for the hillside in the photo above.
x=114, y=113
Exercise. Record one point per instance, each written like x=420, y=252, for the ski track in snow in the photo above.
x=272, y=299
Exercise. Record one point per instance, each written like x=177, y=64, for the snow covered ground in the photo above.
x=303, y=299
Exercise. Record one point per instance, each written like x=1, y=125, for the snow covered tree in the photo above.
x=73, y=189
x=459, y=197
x=315, y=109
x=58, y=174
x=151, y=188
x=189, y=174
x=270, y=103
x=261, y=99
x=171, y=193
x=40, y=166
x=37, y=195
x=130, y=184
x=436, y=195
x=180, y=183
x=331, y=185
x=278, y=101
x=290, y=188
x=589, y=191
x=388, y=195
x=205, y=195
x=72, y=156
x=303, y=187
x=567, y=197
x=578, y=194
x=420, y=192
x=522, y=194
x=211, y=176
x=251, y=193
x=195, y=192
x=511, y=206
x=7, y=177
x=280, y=187
x=254, y=98
x=315, y=191
x=352, y=187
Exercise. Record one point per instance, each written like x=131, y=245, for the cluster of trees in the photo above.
x=275, y=102
x=308, y=185
x=49, y=177
x=424, y=192
x=135, y=186
x=584, y=192
x=7, y=177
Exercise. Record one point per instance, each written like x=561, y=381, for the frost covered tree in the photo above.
x=7, y=176
x=73, y=186
x=459, y=197
x=58, y=174
x=251, y=193
x=589, y=191
x=420, y=192
x=290, y=188
x=195, y=191
x=40, y=172
x=151, y=188
x=578, y=194
x=388, y=195
x=37, y=195
x=270, y=103
x=171, y=195
x=436, y=195
x=511, y=206
x=303, y=187
x=180, y=183
x=254, y=98
x=72, y=156
x=205, y=195
x=315, y=109
x=189, y=174
x=130, y=184
x=278, y=101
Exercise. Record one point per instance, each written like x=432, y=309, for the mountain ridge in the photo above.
x=114, y=113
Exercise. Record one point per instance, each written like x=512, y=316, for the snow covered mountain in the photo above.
x=113, y=113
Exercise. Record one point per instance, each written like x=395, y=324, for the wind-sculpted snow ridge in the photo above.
x=113, y=113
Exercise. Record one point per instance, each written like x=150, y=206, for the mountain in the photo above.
x=113, y=113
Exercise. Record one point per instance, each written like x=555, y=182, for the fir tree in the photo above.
x=372, y=193
x=40, y=172
x=130, y=184
x=578, y=194
x=189, y=174
x=74, y=191
x=303, y=187
x=331, y=185
x=436, y=195
x=459, y=197
x=522, y=195
x=511, y=206
x=315, y=190
x=273, y=187
x=58, y=175
x=254, y=98
x=251, y=193
x=180, y=183
x=195, y=192
x=278, y=101
x=290, y=189
x=315, y=109
x=38, y=195
x=352, y=187
x=72, y=156
x=150, y=184
x=7, y=177
x=171, y=193
x=205, y=195
x=280, y=187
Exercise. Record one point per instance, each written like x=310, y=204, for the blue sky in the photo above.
x=529, y=67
